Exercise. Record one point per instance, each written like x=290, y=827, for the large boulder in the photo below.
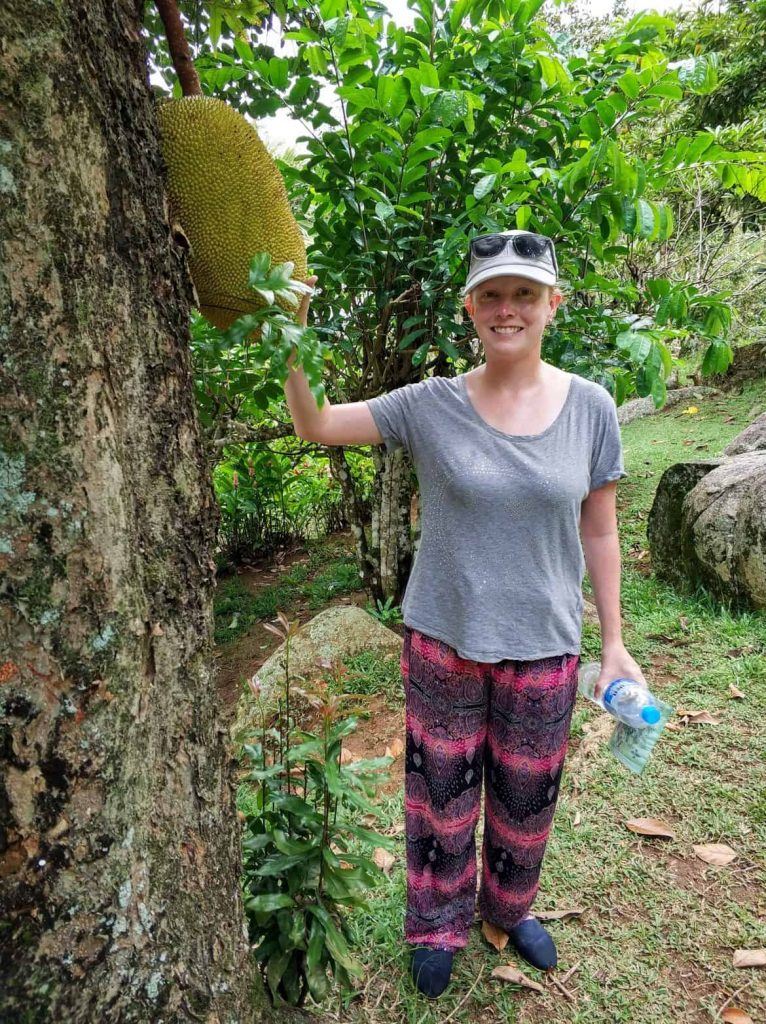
x=707, y=525
x=727, y=515
x=339, y=632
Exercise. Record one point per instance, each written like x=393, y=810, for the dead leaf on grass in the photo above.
x=495, y=936
x=736, y=1016
x=690, y=717
x=715, y=853
x=369, y=820
x=736, y=692
x=650, y=827
x=396, y=748
x=510, y=973
x=577, y=819
x=558, y=915
x=749, y=958
x=346, y=757
x=384, y=860
x=737, y=652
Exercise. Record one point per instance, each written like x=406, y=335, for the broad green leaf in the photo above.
x=606, y=112
x=590, y=126
x=645, y=222
x=718, y=357
x=630, y=85
x=269, y=902
x=392, y=94
x=523, y=217
x=484, y=185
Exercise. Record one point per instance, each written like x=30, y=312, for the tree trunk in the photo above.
x=391, y=537
x=120, y=852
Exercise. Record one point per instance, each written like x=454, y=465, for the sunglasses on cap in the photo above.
x=526, y=245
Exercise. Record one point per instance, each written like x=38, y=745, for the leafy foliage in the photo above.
x=299, y=870
x=474, y=120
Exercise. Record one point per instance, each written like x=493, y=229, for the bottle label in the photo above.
x=615, y=688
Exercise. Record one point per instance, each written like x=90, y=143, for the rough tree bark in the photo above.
x=119, y=854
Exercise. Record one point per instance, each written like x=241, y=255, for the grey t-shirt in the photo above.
x=498, y=573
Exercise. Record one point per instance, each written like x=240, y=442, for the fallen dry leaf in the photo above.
x=577, y=819
x=715, y=853
x=495, y=936
x=369, y=820
x=650, y=827
x=384, y=860
x=735, y=691
x=736, y=1016
x=346, y=757
x=749, y=958
x=689, y=717
x=395, y=749
x=511, y=973
x=737, y=652
x=558, y=915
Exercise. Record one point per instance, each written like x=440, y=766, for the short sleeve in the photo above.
x=393, y=413
x=606, y=463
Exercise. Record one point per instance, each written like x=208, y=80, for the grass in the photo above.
x=656, y=939
x=329, y=571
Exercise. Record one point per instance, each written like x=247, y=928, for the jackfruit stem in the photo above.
x=178, y=45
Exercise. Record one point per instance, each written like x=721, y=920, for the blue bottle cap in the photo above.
x=650, y=715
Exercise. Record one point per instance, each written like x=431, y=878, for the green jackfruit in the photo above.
x=229, y=197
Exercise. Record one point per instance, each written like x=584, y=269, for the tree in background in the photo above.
x=473, y=120
x=120, y=847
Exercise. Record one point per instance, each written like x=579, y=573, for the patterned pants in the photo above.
x=508, y=721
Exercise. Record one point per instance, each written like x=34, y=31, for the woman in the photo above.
x=515, y=459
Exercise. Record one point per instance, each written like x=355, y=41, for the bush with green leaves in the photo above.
x=300, y=871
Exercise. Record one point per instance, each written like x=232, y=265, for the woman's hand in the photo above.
x=303, y=309
x=616, y=663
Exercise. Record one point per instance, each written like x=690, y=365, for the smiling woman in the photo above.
x=510, y=458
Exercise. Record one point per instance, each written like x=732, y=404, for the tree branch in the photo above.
x=178, y=45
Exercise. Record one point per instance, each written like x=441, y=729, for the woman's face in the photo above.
x=521, y=306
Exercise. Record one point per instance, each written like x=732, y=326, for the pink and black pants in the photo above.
x=508, y=723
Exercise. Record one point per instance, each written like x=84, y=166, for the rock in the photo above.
x=752, y=438
x=670, y=546
x=707, y=527
x=639, y=407
x=727, y=514
x=339, y=632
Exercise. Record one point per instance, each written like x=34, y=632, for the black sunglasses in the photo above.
x=529, y=246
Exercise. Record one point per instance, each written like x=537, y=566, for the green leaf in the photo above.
x=335, y=942
x=606, y=112
x=392, y=94
x=484, y=186
x=718, y=357
x=630, y=85
x=590, y=126
x=275, y=969
x=523, y=217
x=269, y=902
x=644, y=218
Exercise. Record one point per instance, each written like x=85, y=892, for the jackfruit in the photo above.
x=230, y=200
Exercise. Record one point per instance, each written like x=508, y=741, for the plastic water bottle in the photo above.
x=627, y=699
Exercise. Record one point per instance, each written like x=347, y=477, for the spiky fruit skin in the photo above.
x=229, y=197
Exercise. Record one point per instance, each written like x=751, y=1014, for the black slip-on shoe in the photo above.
x=431, y=970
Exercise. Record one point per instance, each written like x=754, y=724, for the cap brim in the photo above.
x=542, y=275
